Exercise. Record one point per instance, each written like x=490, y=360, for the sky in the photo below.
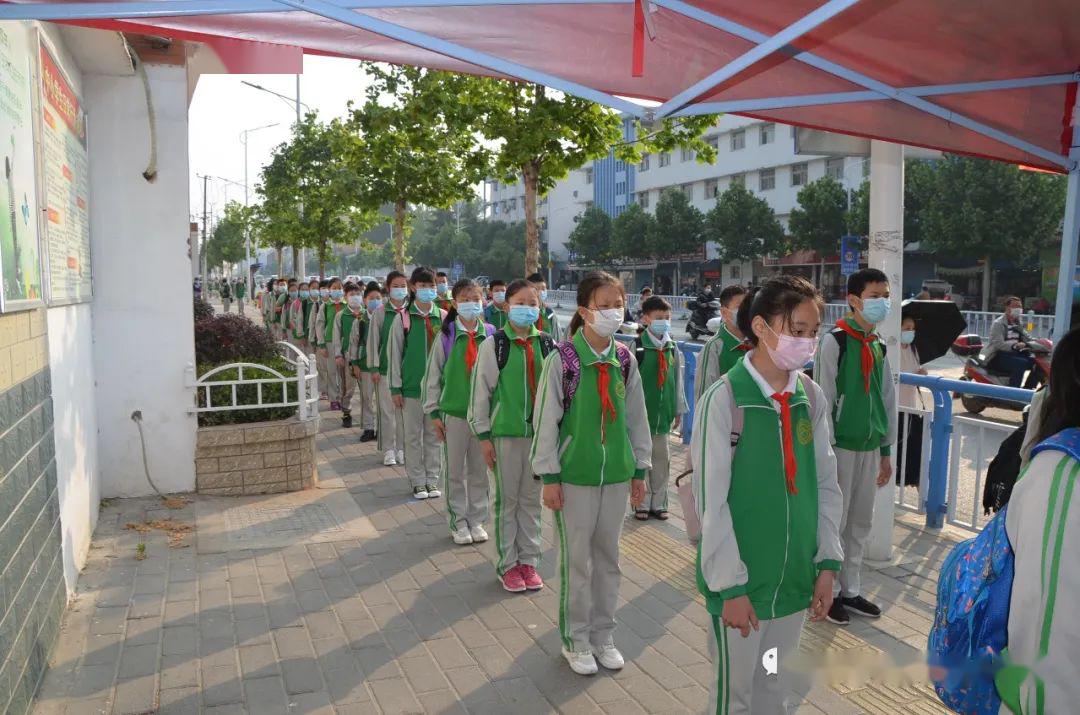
x=223, y=107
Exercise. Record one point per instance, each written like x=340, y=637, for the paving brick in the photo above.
x=266, y=695
x=292, y=643
x=181, y=640
x=179, y=701
x=258, y=661
x=302, y=675
x=394, y=696
x=378, y=662
x=103, y=649
x=135, y=696
x=179, y=672
x=442, y=702
x=138, y=661
x=450, y=653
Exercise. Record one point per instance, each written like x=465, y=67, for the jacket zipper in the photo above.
x=787, y=524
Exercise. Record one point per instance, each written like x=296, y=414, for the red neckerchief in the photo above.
x=607, y=407
x=789, y=446
x=744, y=347
x=470, y=351
x=867, y=355
x=530, y=362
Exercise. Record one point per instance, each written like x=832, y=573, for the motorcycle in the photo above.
x=977, y=369
x=703, y=310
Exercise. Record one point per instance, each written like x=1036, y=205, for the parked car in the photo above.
x=364, y=280
x=353, y=279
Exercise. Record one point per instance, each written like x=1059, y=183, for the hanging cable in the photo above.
x=150, y=174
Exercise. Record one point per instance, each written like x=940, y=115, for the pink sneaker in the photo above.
x=532, y=580
x=335, y=406
x=512, y=580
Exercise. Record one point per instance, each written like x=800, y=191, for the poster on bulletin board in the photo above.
x=20, y=264
x=66, y=181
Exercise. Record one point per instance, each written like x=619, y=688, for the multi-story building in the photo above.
x=759, y=154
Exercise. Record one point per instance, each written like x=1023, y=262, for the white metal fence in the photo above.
x=975, y=443
x=914, y=498
x=299, y=390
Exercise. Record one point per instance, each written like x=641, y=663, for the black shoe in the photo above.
x=368, y=436
x=346, y=420
x=838, y=614
x=862, y=607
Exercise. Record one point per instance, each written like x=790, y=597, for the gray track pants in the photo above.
x=465, y=481
x=741, y=684
x=367, y=401
x=517, y=504
x=333, y=379
x=657, y=478
x=421, y=445
x=589, y=526
x=320, y=365
x=391, y=425
x=346, y=386
x=857, y=473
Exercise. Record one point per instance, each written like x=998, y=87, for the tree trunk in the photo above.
x=280, y=257
x=987, y=272
x=298, y=270
x=399, y=235
x=821, y=274
x=531, y=174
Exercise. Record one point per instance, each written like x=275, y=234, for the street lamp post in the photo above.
x=247, y=233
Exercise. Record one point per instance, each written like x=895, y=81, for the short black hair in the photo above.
x=654, y=302
x=351, y=287
x=857, y=281
x=393, y=276
x=324, y=283
x=442, y=274
x=372, y=287
x=537, y=277
x=779, y=295
x=730, y=292
x=497, y=282
x=422, y=274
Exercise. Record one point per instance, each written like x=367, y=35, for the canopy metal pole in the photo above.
x=1070, y=236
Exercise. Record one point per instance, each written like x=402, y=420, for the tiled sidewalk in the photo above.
x=391, y=617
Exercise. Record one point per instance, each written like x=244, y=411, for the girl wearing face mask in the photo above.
x=297, y=312
x=501, y=401
x=390, y=426
x=324, y=337
x=347, y=368
x=365, y=372
x=592, y=448
x=446, y=388
x=770, y=506
x=318, y=296
x=909, y=426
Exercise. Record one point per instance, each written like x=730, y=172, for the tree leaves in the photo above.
x=820, y=219
x=743, y=226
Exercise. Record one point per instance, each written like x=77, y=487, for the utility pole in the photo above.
x=202, y=251
x=247, y=233
x=300, y=270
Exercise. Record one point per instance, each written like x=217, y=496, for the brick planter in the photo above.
x=256, y=458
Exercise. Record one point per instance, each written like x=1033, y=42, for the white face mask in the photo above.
x=1016, y=313
x=606, y=322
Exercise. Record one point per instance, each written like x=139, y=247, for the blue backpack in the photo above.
x=971, y=620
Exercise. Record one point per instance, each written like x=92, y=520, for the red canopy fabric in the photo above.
x=902, y=43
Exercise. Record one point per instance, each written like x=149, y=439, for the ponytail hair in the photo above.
x=588, y=285
x=779, y=295
x=451, y=315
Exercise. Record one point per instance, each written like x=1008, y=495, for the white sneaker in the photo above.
x=610, y=657
x=389, y=459
x=478, y=534
x=433, y=491
x=400, y=457
x=462, y=536
x=581, y=662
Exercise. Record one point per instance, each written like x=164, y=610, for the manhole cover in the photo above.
x=261, y=522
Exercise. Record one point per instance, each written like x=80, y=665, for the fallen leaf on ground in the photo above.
x=176, y=530
x=175, y=502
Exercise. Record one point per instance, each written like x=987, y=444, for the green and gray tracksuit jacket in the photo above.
x=407, y=353
x=757, y=538
x=279, y=306
x=495, y=317
x=500, y=403
x=346, y=325
x=862, y=421
x=719, y=355
x=548, y=323
x=356, y=351
x=663, y=403
x=448, y=380
x=325, y=318
x=583, y=445
x=378, y=337
x=1042, y=521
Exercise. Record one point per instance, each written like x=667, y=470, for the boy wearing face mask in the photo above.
x=854, y=374
x=298, y=311
x=324, y=338
x=281, y=297
x=266, y=304
x=346, y=323
x=319, y=295
x=548, y=322
x=442, y=291
x=1007, y=341
x=660, y=365
x=725, y=348
x=358, y=355
x=390, y=428
x=495, y=313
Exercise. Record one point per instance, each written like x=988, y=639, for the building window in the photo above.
x=494, y=208
x=665, y=159
x=644, y=165
x=712, y=188
x=738, y=140
x=620, y=187
x=687, y=154
x=688, y=189
x=643, y=199
x=736, y=271
x=588, y=176
x=513, y=204
x=835, y=168
x=865, y=168
x=620, y=165
x=713, y=141
x=739, y=179
x=494, y=185
x=767, y=179
x=798, y=174
x=503, y=204
x=768, y=133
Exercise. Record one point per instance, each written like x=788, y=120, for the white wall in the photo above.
x=142, y=303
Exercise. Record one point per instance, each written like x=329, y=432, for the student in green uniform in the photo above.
x=411, y=337
x=660, y=363
x=391, y=428
x=324, y=338
x=770, y=506
x=345, y=324
x=281, y=297
x=495, y=313
x=443, y=297
x=854, y=374
x=725, y=348
x=266, y=304
x=592, y=448
x=358, y=356
x=320, y=296
x=548, y=322
x=464, y=475
x=505, y=381
x=292, y=303
x=240, y=290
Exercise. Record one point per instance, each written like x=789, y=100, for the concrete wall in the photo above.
x=142, y=307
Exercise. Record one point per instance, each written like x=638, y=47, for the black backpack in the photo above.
x=1003, y=470
x=502, y=347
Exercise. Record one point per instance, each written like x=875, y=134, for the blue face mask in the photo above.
x=305, y=294
x=523, y=315
x=543, y=295
x=499, y=296
x=399, y=294
x=374, y=304
x=907, y=337
x=443, y=288
x=425, y=295
x=336, y=294
x=293, y=293
x=875, y=310
x=324, y=292
x=660, y=328
x=470, y=311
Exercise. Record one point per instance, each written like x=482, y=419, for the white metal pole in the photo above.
x=247, y=233
x=301, y=270
x=1070, y=236
x=887, y=255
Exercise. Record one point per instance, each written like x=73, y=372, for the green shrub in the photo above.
x=202, y=309
x=245, y=394
x=229, y=338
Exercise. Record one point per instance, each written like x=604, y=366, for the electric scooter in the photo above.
x=976, y=369
x=703, y=309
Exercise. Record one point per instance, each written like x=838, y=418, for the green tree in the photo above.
x=919, y=178
x=412, y=142
x=820, y=219
x=679, y=229
x=631, y=232
x=226, y=246
x=743, y=226
x=590, y=241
